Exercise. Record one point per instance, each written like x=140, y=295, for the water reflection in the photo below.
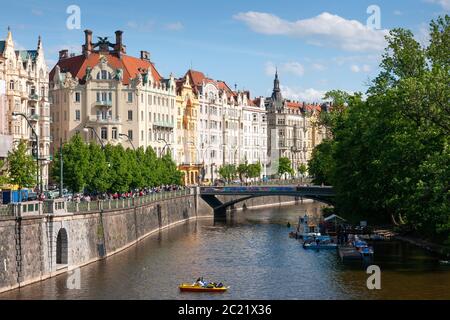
x=253, y=254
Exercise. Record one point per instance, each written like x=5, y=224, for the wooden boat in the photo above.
x=189, y=287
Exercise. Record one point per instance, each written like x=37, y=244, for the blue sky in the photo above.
x=316, y=45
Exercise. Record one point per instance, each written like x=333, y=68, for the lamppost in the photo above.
x=128, y=138
x=167, y=144
x=35, y=148
x=86, y=129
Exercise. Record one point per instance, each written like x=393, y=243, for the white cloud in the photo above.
x=291, y=67
x=141, y=26
x=175, y=26
x=298, y=94
x=364, y=68
x=445, y=4
x=398, y=13
x=318, y=67
x=323, y=30
x=355, y=68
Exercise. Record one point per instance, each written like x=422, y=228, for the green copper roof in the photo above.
x=24, y=54
x=2, y=46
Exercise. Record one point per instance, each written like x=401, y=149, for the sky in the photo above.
x=316, y=45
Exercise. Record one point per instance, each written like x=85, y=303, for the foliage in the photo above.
x=228, y=172
x=22, y=168
x=389, y=159
x=284, y=166
x=89, y=168
x=242, y=171
x=302, y=169
x=254, y=170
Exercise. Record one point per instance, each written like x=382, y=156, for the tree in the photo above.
x=228, y=172
x=254, y=170
x=3, y=177
x=120, y=174
x=242, y=171
x=302, y=169
x=389, y=159
x=22, y=168
x=97, y=177
x=76, y=164
x=284, y=166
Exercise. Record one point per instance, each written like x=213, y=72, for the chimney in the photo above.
x=87, y=47
x=145, y=55
x=63, y=54
x=119, y=48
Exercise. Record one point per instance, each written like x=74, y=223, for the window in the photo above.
x=77, y=96
x=130, y=97
x=77, y=115
x=130, y=115
x=104, y=133
x=130, y=134
x=114, y=134
x=11, y=85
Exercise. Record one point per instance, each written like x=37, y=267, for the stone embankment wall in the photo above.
x=34, y=248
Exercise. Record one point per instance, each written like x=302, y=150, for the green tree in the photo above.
x=3, y=173
x=228, y=172
x=75, y=166
x=22, y=168
x=97, y=177
x=242, y=171
x=302, y=169
x=285, y=166
x=389, y=159
x=254, y=170
x=120, y=174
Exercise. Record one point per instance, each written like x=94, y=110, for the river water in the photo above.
x=253, y=254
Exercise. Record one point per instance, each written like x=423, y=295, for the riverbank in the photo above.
x=442, y=251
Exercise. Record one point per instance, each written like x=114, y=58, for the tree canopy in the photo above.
x=389, y=159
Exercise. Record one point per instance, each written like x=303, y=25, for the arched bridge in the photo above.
x=209, y=194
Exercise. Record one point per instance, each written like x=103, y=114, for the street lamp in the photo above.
x=167, y=144
x=35, y=151
x=86, y=129
x=129, y=140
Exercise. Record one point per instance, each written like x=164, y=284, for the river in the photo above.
x=253, y=254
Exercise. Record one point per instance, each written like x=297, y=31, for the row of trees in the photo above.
x=389, y=159
x=230, y=172
x=95, y=170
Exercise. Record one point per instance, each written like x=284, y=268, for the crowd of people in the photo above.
x=125, y=195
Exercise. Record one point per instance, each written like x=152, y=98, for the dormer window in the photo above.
x=104, y=75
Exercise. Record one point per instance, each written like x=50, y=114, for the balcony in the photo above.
x=103, y=104
x=102, y=120
x=163, y=124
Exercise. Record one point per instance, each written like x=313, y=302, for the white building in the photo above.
x=107, y=95
x=26, y=77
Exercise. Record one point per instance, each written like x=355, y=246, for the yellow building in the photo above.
x=188, y=155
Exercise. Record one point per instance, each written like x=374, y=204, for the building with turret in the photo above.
x=110, y=97
x=293, y=129
x=24, y=90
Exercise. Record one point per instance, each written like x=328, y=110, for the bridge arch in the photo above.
x=228, y=204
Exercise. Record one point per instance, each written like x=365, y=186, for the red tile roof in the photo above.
x=302, y=106
x=131, y=66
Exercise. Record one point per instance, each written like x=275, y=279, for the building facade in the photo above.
x=110, y=97
x=187, y=154
x=253, y=131
x=293, y=129
x=25, y=75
